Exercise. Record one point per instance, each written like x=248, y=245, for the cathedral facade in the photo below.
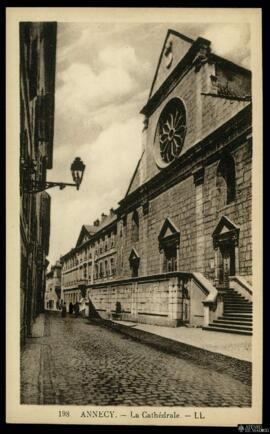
x=182, y=239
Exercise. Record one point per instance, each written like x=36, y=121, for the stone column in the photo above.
x=161, y=260
x=178, y=256
x=236, y=260
x=206, y=315
x=198, y=177
x=173, y=302
x=216, y=267
x=134, y=307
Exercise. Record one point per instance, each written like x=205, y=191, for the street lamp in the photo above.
x=31, y=186
x=77, y=170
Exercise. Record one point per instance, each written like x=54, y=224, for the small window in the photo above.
x=101, y=271
x=135, y=226
x=134, y=265
x=112, y=266
x=170, y=258
x=106, y=268
x=96, y=271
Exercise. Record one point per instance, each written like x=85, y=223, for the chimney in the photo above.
x=103, y=216
x=96, y=222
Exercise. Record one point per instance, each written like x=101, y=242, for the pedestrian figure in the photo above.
x=64, y=310
x=71, y=307
x=76, y=309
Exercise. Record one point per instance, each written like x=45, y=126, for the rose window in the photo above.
x=171, y=130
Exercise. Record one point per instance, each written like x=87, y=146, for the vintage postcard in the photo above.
x=134, y=203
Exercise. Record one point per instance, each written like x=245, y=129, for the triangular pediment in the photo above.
x=224, y=225
x=83, y=236
x=174, y=49
x=168, y=229
x=134, y=255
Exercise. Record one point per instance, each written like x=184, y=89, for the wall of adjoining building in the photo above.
x=37, y=87
x=52, y=296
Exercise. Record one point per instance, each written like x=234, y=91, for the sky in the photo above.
x=103, y=77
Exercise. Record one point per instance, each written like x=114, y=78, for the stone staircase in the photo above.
x=237, y=315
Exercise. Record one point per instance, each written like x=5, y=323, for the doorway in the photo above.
x=226, y=263
x=225, y=242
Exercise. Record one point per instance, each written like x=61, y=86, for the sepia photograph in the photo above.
x=139, y=290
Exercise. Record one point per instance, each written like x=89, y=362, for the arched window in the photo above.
x=106, y=273
x=101, y=272
x=134, y=261
x=96, y=271
x=226, y=180
x=112, y=267
x=135, y=226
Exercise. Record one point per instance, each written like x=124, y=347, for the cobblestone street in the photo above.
x=79, y=363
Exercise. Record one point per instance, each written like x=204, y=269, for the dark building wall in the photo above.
x=37, y=88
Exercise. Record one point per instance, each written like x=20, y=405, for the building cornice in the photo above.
x=148, y=278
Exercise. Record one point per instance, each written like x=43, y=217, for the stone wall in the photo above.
x=239, y=211
x=195, y=210
x=156, y=300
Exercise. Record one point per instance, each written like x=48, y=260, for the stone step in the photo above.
x=235, y=318
x=238, y=307
x=236, y=312
x=233, y=324
x=230, y=322
x=230, y=312
x=230, y=326
x=238, y=315
x=238, y=300
x=224, y=330
x=232, y=293
x=236, y=297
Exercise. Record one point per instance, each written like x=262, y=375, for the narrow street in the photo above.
x=78, y=363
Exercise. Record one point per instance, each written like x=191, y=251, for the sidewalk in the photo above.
x=228, y=344
x=31, y=356
x=38, y=326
